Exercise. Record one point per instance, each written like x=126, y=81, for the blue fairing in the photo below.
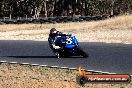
x=69, y=41
x=72, y=42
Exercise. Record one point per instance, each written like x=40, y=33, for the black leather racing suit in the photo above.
x=52, y=39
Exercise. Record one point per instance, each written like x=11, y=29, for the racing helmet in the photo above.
x=53, y=30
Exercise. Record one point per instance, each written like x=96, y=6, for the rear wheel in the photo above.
x=83, y=54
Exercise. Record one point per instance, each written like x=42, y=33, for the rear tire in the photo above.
x=83, y=54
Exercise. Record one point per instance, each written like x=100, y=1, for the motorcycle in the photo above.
x=67, y=46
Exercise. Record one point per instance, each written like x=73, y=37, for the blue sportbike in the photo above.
x=66, y=46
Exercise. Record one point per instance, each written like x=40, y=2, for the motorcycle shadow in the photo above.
x=44, y=57
x=32, y=56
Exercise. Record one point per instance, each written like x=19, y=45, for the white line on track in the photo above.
x=55, y=67
x=13, y=62
x=73, y=68
x=34, y=64
x=3, y=61
x=25, y=63
x=64, y=67
x=43, y=65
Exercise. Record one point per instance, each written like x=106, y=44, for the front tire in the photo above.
x=58, y=54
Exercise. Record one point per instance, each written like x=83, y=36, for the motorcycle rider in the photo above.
x=52, y=41
x=58, y=42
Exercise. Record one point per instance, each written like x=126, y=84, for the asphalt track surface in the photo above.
x=106, y=57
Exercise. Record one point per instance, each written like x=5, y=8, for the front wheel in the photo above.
x=58, y=55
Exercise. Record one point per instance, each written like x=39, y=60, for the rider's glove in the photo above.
x=56, y=47
x=65, y=33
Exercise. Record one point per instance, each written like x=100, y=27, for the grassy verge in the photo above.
x=26, y=76
x=119, y=22
x=113, y=30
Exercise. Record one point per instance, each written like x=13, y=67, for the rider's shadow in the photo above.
x=43, y=56
x=32, y=56
x=26, y=49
